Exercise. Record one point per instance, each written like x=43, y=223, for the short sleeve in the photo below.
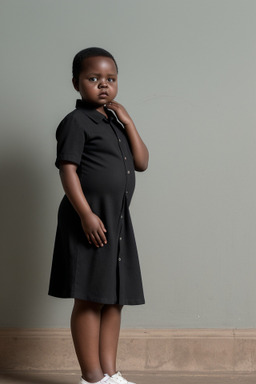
x=71, y=138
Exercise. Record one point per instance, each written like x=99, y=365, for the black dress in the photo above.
x=111, y=274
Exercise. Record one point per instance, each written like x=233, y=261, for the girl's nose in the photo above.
x=103, y=83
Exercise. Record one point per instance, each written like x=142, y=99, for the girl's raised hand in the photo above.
x=94, y=229
x=120, y=111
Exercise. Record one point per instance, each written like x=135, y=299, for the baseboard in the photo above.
x=170, y=350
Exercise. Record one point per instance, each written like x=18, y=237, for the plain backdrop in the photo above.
x=187, y=77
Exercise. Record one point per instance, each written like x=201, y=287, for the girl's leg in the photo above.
x=85, y=328
x=109, y=335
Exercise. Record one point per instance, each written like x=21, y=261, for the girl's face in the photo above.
x=97, y=83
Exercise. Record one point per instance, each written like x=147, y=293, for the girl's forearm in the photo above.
x=73, y=189
x=92, y=225
x=139, y=149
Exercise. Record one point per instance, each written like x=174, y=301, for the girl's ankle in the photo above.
x=92, y=377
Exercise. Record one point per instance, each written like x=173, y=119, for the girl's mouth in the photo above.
x=103, y=94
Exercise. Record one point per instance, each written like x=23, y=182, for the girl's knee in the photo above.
x=115, y=307
x=87, y=305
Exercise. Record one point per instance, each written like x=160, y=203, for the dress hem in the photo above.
x=100, y=301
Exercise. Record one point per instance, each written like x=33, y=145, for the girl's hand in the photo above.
x=120, y=111
x=94, y=229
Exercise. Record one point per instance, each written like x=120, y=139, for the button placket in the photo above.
x=128, y=171
x=123, y=153
x=121, y=236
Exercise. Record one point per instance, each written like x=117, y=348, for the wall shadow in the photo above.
x=27, y=236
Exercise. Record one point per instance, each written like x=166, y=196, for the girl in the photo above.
x=95, y=258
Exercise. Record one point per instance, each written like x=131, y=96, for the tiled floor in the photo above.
x=139, y=378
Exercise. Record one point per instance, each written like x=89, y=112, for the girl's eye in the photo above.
x=111, y=80
x=94, y=79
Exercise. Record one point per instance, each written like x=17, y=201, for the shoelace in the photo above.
x=107, y=379
x=118, y=377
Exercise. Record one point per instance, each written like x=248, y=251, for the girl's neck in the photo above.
x=102, y=111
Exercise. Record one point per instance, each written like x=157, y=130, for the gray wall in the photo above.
x=187, y=76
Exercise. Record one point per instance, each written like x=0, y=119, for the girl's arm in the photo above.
x=139, y=149
x=92, y=225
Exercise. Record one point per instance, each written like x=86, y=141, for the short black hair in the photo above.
x=85, y=54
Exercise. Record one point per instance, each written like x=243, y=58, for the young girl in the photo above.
x=95, y=258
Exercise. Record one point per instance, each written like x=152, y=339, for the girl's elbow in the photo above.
x=141, y=162
x=141, y=167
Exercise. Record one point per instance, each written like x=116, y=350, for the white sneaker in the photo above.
x=106, y=380
x=119, y=379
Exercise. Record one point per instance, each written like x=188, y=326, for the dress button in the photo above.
x=125, y=158
x=120, y=238
x=119, y=259
x=120, y=140
x=122, y=217
x=126, y=192
x=128, y=172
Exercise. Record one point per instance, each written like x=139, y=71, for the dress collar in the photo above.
x=91, y=112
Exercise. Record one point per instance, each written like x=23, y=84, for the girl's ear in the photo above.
x=75, y=84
